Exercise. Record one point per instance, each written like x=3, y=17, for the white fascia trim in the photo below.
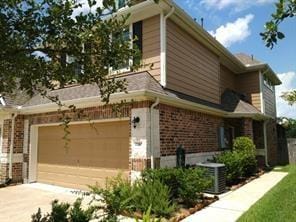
x=139, y=95
x=84, y=102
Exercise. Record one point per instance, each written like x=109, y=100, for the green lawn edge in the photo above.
x=277, y=205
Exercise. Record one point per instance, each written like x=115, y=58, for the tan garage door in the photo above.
x=94, y=152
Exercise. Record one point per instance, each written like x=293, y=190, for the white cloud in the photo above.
x=288, y=83
x=233, y=32
x=238, y=5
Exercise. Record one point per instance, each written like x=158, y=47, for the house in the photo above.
x=197, y=95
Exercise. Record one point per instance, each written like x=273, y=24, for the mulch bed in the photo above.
x=247, y=180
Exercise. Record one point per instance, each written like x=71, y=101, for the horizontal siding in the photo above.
x=227, y=79
x=269, y=101
x=151, y=46
x=249, y=84
x=191, y=68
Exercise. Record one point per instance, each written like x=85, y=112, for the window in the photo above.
x=226, y=137
x=134, y=32
x=125, y=66
x=120, y=4
x=268, y=83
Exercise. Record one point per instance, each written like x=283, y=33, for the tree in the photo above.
x=290, y=126
x=290, y=97
x=44, y=46
x=284, y=9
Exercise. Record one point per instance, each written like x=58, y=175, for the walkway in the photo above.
x=233, y=204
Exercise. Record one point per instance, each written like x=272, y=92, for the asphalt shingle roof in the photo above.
x=247, y=60
x=135, y=81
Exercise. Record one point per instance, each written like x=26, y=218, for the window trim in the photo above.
x=268, y=83
x=130, y=62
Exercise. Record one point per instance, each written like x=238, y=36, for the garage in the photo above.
x=94, y=152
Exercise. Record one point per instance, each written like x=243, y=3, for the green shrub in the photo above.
x=117, y=196
x=241, y=161
x=233, y=166
x=154, y=195
x=63, y=212
x=185, y=184
x=244, y=144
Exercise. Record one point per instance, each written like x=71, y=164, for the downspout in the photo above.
x=265, y=143
x=151, y=133
x=14, y=115
x=163, y=45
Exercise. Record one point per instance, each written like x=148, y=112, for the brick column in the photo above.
x=17, y=158
x=247, y=127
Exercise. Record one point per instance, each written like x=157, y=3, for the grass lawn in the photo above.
x=279, y=204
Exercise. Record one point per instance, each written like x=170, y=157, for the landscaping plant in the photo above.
x=153, y=194
x=186, y=185
x=64, y=212
x=240, y=162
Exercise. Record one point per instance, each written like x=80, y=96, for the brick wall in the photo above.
x=247, y=127
x=258, y=134
x=197, y=132
x=271, y=132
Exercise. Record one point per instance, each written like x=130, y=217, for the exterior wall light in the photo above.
x=135, y=121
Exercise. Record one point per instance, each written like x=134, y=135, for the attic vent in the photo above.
x=217, y=172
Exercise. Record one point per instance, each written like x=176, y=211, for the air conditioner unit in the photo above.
x=217, y=172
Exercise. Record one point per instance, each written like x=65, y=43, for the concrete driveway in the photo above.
x=18, y=203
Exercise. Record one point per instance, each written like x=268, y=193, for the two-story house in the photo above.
x=197, y=95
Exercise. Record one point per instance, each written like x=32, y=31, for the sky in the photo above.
x=237, y=24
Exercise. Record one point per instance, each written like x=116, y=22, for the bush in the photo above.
x=233, y=166
x=154, y=195
x=63, y=212
x=117, y=196
x=241, y=161
x=120, y=196
x=185, y=184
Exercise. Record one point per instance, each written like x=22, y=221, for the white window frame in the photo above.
x=122, y=8
x=130, y=62
x=268, y=83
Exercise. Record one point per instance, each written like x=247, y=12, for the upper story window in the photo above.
x=268, y=83
x=120, y=3
x=133, y=32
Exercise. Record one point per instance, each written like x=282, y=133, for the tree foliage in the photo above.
x=290, y=126
x=290, y=97
x=46, y=45
x=284, y=9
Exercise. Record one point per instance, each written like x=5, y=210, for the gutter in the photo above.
x=265, y=143
x=163, y=45
x=151, y=132
x=139, y=95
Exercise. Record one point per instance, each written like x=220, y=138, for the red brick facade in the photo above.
x=271, y=132
x=197, y=132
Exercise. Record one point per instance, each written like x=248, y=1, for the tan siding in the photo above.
x=269, y=101
x=249, y=84
x=227, y=79
x=151, y=46
x=191, y=68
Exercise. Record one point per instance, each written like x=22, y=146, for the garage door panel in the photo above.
x=93, y=153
